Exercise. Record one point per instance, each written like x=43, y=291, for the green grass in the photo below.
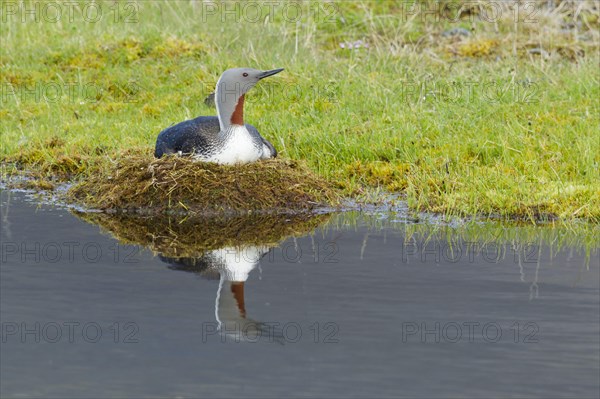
x=496, y=131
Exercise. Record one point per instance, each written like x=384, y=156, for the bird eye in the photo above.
x=245, y=74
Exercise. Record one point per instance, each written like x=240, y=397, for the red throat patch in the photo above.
x=237, y=288
x=237, y=118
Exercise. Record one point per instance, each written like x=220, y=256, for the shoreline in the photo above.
x=54, y=191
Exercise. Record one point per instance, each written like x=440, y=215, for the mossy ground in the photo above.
x=500, y=120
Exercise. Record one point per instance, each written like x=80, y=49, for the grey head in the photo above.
x=231, y=88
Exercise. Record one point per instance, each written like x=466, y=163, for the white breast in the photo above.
x=239, y=148
x=236, y=263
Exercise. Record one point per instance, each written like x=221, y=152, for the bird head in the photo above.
x=237, y=81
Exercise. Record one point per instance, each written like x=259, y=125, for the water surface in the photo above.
x=365, y=306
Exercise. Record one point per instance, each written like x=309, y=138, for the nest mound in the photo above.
x=190, y=237
x=141, y=183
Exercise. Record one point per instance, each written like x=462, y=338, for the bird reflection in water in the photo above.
x=231, y=266
x=220, y=248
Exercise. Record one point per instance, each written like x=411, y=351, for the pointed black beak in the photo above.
x=269, y=73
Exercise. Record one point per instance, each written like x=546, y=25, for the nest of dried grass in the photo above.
x=140, y=183
x=191, y=237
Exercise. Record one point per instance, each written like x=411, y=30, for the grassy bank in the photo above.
x=465, y=112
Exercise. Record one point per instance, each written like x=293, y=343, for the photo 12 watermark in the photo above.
x=290, y=93
x=92, y=252
x=491, y=92
x=89, y=332
x=493, y=11
x=290, y=332
x=67, y=252
x=128, y=12
x=464, y=252
x=69, y=11
x=293, y=252
x=70, y=92
x=268, y=11
x=470, y=331
x=272, y=11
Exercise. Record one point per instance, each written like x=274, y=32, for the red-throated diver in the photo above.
x=223, y=139
x=233, y=264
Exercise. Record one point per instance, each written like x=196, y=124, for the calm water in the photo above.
x=366, y=306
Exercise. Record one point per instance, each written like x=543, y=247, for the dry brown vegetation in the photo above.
x=140, y=183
